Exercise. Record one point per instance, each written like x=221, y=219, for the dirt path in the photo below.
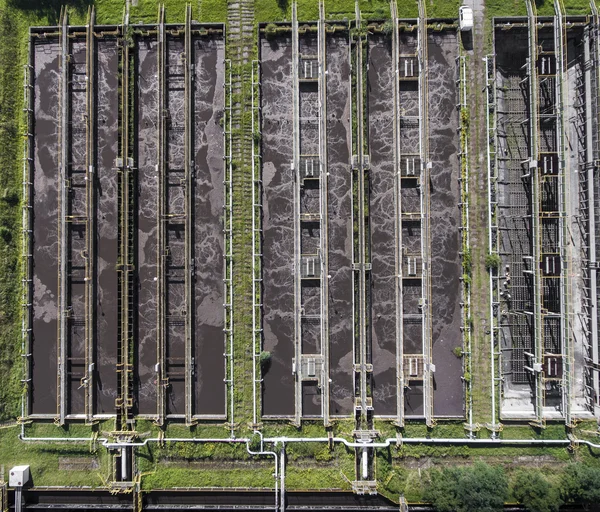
x=478, y=215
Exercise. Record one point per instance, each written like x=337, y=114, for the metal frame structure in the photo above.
x=324, y=242
x=363, y=403
x=256, y=238
x=408, y=169
x=189, y=208
x=82, y=214
x=547, y=78
x=90, y=230
x=493, y=231
x=228, y=232
x=560, y=42
x=125, y=165
x=161, y=221
x=547, y=325
x=62, y=221
x=400, y=383
x=535, y=224
x=592, y=116
x=303, y=362
x=429, y=368
x=27, y=240
x=465, y=235
x=584, y=115
x=297, y=245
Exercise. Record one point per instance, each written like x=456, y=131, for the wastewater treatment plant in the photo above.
x=299, y=255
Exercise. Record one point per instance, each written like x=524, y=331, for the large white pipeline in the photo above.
x=280, y=501
x=350, y=444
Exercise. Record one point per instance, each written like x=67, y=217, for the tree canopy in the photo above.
x=581, y=484
x=535, y=492
x=480, y=487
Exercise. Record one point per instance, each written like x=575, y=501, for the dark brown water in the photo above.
x=45, y=229
x=209, y=389
x=278, y=230
x=446, y=267
x=340, y=234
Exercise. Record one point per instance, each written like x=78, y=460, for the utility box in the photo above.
x=465, y=18
x=19, y=476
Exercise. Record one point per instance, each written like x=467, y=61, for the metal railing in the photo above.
x=465, y=235
x=560, y=42
x=493, y=231
x=63, y=164
x=297, y=244
x=228, y=228
x=592, y=160
x=161, y=210
x=324, y=242
x=425, y=215
x=256, y=239
x=124, y=400
x=189, y=208
x=27, y=238
x=539, y=394
x=400, y=382
x=90, y=229
x=361, y=265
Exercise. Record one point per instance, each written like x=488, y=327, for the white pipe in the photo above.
x=365, y=464
x=384, y=444
x=124, y=472
x=282, y=473
x=265, y=452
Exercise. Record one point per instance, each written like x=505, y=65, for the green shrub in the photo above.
x=265, y=360
x=580, y=484
x=388, y=27
x=480, y=487
x=467, y=261
x=271, y=30
x=10, y=197
x=5, y=233
x=492, y=261
x=531, y=489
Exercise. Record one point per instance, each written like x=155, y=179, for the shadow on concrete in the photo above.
x=467, y=40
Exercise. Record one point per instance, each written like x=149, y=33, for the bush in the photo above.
x=265, y=360
x=10, y=197
x=458, y=351
x=580, y=484
x=271, y=30
x=492, y=261
x=531, y=489
x=467, y=261
x=5, y=233
x=481, y=487
x=388, y=27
